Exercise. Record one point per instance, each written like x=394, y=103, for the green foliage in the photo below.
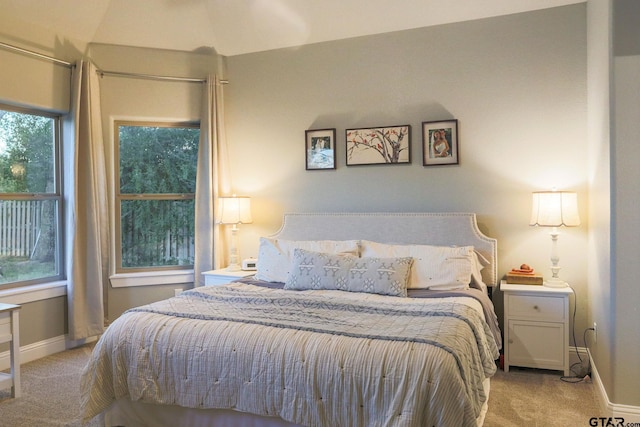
x=27, y=165
x=26, y=153
x=159, y=161
x=154, y=160
x=15, y=269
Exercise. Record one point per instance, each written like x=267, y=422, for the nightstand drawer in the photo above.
x=536, y=307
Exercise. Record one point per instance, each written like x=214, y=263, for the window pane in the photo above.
x=157, y=233
x=158, y=160
x=27, y=150
x=28, y=240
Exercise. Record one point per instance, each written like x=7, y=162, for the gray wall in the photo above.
x=600, y=245
x=41, y=320
x=625, y=175
x=517, y=85
x=614, y=236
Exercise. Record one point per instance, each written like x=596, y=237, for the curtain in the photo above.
x=86, y=215
x=211, y=180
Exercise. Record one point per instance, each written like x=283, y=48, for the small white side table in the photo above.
x=536, y=327
x=10, y=332
x=223, y=276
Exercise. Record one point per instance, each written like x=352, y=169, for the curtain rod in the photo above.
x=103, y=73
x=106, y=73
x=36, y=54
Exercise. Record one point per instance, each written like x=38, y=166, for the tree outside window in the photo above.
x=156, y=179
x=30, y=197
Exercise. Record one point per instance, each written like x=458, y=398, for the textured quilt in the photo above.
x=315, y=359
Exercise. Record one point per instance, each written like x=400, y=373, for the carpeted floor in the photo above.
x=50, y=392
x=522, y=397
x=535, y=398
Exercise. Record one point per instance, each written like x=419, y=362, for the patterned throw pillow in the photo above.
x=318, y=270
x=275, y=255
x=434, y=267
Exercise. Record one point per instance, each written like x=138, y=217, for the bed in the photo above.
x=351, y=320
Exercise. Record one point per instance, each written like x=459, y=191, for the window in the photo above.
x=30, y=197
x=155, y=198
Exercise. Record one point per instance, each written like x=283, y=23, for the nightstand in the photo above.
x=223, y=276
x=10, y=332
x=536, y=323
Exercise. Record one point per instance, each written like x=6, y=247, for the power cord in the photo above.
x=577, y=377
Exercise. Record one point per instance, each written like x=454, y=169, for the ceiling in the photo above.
x=233, y=27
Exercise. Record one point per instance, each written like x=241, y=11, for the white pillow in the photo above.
x=479, y=263
x=316, y=270
x=275, y=255
x=434, y=267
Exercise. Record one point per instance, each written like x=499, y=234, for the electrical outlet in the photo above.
x=595, y=332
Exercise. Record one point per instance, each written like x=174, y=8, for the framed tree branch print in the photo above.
x=440, y=143
x=383, y=145
x=320, y=149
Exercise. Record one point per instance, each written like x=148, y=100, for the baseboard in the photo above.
x=631, y=414
x=578, y=354
x=40, y=349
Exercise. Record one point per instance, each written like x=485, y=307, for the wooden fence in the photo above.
x=20, y=226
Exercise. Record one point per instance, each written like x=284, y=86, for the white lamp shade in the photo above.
x=555, y=209
x=234, y=210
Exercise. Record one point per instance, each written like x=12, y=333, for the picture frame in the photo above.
x=378, y=145
x=320, y=149
x=440, y=143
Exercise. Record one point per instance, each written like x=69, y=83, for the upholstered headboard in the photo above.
x=439, y=229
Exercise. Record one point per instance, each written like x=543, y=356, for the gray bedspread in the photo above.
x=315, y=359
x=477, y=294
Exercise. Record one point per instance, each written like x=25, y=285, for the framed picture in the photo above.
x=382, y=145
x=320, y=149
x=440, y=143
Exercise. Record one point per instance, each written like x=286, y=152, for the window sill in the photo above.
x=31, y=293
x=151, y=278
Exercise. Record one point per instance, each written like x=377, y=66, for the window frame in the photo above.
x=121, y=271
x=57, y=196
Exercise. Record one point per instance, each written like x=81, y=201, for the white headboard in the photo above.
x=440, y=229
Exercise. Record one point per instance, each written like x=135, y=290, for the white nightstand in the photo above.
x=536, y=323
x=10, y=332
x=222, y=276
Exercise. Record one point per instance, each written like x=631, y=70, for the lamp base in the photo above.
x=233, y=267
x=555, y=283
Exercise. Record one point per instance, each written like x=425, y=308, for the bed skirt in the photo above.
x=135, y=414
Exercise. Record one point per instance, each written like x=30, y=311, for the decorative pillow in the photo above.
x=316, y=270
x=274, y=255
x=434, y=267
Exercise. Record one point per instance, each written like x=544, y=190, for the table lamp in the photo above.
x=555, y=209
x=234, y=210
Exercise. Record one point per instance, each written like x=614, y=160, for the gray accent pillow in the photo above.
x=318, y=270
x=274, y=255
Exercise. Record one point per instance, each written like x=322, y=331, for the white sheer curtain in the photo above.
x=212, y=180
x=86, y=214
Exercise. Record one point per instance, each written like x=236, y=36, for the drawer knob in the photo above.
x=535, y=307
